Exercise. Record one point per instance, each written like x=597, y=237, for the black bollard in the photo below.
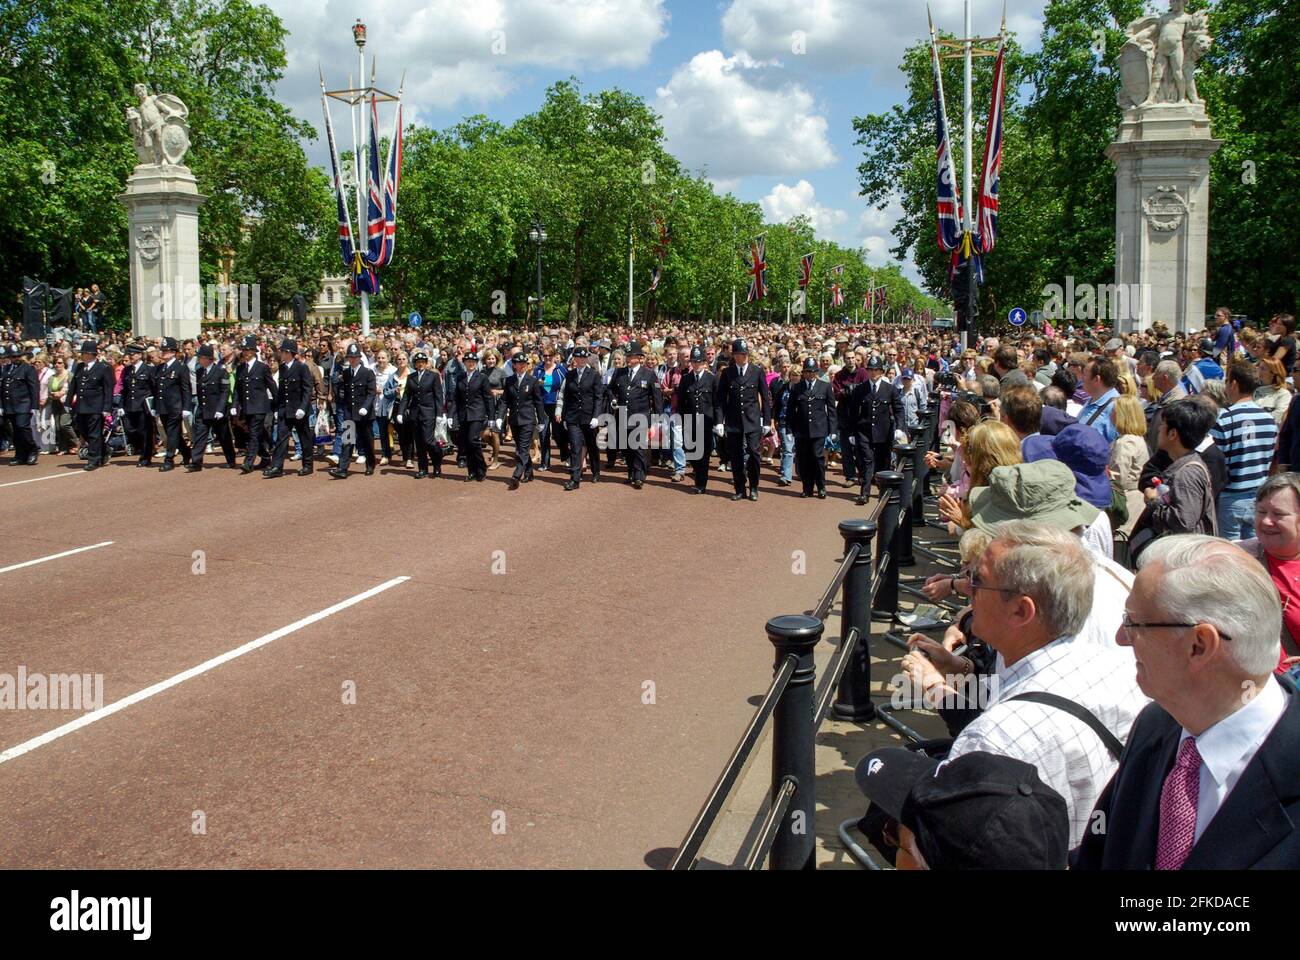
x=887, y=596
x=920, y=474
x=906, y=465
x=794, y=741
x=853, y=697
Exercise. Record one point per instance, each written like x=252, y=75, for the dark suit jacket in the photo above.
x=21, y=390
x=474, y=402
x=523, y=401
x=583, y=396
x=357, y=391
x=1254, y=829
x=811, y=410
x=296, y=388
x=172, y=393
x=639, y=394
x=422, y=401
x=213, y=391
x=743, y=403
x=875, y=414
x=91, y=388
x=695, y=395
x=137, y=386
x=253, y=389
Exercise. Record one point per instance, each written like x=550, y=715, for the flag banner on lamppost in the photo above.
x=986, y=228
x=756, y=266
x=948, y=198
x=805, y=270
x=837, y=291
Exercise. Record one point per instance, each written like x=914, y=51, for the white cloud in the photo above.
x=737, y=116
x=785, y=203
x=455, y=51
x=856, y=34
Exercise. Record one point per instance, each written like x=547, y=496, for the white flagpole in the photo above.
x=631, y=259
x=363, y=180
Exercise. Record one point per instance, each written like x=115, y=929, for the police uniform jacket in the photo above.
x=636, y=393
x=742, y=401
x=583, y=396
x=213, y=391
x=254, y=387
x=92, y=387
x=695, y=394
x=876, y=413
x=474, y=400
x=172, y=389
x=357, y=390
x=20, y=390
x=525, y=405
x=296, y=388
x=423, y=399
x=811, y=410
x=138, y=385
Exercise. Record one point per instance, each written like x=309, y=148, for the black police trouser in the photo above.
x=471, y=435
x=91, y=428
x=523, y=433
x=638, y=439
x=20, y=425
x=258, y=441
x=849, y=458
x=284, y=425
x=561, y=437
x=704, y=437
x=810, y=455
x=140, y=428
x=175, y=437
x=871, y=458
x=426, y=448
x=739, y=444
x=205, y=431
x=582, y=439
x=364, y=440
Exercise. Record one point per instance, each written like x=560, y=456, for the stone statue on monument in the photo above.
x=1157, y=64
x=159, y=127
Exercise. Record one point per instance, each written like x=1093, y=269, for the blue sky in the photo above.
x=760, y=94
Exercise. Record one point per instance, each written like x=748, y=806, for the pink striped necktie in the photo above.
x=1178, y=799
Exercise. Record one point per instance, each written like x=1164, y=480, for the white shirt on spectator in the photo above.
x=1098, y=538
x=1070, y=757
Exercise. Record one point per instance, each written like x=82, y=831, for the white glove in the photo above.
x=498, y=424
x=594, y=421
x=234, y=411
x=720, y=430
x=445, y=421
x=187, y=416
x=362, y=411
x=399, y=418
x=299, y=414
x=767, y=428
x=853, y=441
x=900, y=437
x=833, y=437
x=218, y=415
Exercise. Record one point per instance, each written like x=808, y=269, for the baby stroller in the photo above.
x=115, y=441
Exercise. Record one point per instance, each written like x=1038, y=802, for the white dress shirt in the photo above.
x=1070, y=757
x=1229, y=746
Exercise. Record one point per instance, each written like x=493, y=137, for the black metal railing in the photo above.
x=868, y=586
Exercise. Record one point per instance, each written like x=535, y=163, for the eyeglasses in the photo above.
x=977, y=584
x=1127, y=623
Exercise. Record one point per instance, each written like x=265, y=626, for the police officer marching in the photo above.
x=254, y=388
x=173, y=399
x=526, y=411
x=213, y=395
x=293, y=394
x=875, y=413
x=744, y=413
x=578, y=408
x=136, y=404
x=474, y=404
x=20, y=397
x=358, y=394
x=638, y=399
x=91, y=397
x=695, y=398
x=811, y=418
x=421, y=406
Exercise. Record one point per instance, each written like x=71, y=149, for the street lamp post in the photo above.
x=537, y=234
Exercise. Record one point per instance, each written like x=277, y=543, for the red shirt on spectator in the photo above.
x=1286, y=577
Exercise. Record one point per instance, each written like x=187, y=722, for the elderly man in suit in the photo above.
x=1208, y=780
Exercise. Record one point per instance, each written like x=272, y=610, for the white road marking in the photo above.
x=53, y=476
x=147, y=692
x=55, y=556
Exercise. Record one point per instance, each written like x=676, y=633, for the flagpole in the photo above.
x=631, y=254
x=363, y=170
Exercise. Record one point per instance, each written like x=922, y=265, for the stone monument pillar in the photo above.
x=1162, y=173
x=162, y=201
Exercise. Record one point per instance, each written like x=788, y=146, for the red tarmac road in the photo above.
x=483, y=700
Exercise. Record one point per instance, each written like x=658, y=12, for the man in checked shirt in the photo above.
x=1032, y=591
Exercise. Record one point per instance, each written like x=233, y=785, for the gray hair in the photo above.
x=1052, y=567
x=1277, y=483
x=1168, y=369
x=1217, y=391
x=990, y=387
x=1208, y=580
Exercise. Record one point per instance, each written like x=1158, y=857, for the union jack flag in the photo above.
x=756, y=267
x=837, y=292
x=805, y=271
x=879, y=297
x=948, y=200
x=986, y=229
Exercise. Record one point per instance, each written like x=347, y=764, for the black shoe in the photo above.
x=481, y=479
x=16, y=462
x=697, y=490
x=338, y=473
x=144, y=463
x=470, y=478
x=861, y=501
x=570, y=485
x=421, y=474
x=166, y=466
x=90, y=465
x=461, y=464
x=306, y=472
x=369, y=469
x=821, y=494
x=805, y=495
x=193, y=467
x=753, y=495
x=437, y=473
x=270, y=473
x=595, y=478
x=513, y=484
x=737, y=496
x=31, y=461
x=246, y=468
x=637, y=484
x=783, y=483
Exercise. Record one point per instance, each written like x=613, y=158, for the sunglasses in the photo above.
x=1128, y=624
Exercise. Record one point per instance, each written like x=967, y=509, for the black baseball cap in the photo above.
x=981, y=811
